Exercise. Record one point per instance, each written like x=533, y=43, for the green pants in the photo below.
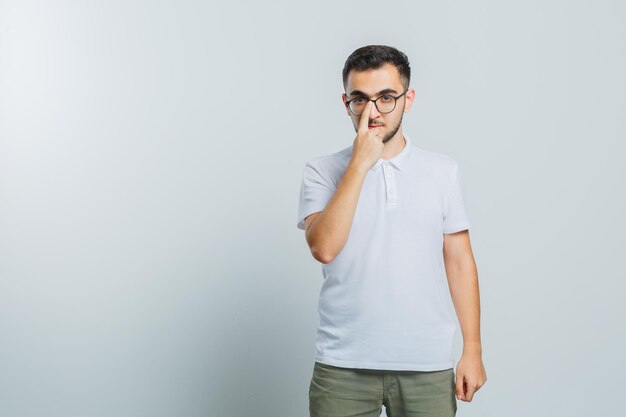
x=349, y=392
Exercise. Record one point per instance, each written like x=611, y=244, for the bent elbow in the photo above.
x=322, y=256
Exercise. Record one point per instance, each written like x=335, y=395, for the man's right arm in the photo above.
x=327, y=231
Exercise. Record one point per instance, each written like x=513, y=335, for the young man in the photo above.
x=385, y=217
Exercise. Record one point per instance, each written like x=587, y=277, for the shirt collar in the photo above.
x=401, y=160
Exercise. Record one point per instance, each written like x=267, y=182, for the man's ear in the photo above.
x=410, y=96
x=344, y=100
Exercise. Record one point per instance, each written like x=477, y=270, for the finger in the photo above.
x=460, y=391
x=470, y=392
x=365, y=117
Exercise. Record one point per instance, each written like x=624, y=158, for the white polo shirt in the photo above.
x=383, y=299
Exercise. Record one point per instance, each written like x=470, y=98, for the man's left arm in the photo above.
x=462, y=277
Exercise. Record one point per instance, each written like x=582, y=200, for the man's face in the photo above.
x=373, y=84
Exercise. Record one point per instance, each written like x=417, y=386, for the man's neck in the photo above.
x=394, y=146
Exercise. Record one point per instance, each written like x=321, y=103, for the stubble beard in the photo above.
x=391, y=134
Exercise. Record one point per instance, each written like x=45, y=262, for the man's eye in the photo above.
x=387, y=98
x=359, y=100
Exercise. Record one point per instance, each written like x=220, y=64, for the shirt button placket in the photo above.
x=390, y=185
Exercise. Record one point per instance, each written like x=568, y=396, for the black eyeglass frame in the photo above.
x=395, y=102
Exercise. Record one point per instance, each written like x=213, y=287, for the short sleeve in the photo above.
x=455, y=216
x=315, y=192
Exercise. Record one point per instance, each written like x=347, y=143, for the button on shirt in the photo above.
x=383, y=303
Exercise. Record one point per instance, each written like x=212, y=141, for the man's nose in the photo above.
x=374, y=113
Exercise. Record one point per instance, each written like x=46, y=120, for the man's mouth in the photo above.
x=375, y=125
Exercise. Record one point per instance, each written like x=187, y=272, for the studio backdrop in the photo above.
x=151, y=155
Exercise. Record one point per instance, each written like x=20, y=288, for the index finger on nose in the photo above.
x=365, y=117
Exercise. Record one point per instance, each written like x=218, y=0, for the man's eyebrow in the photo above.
x=381, y=92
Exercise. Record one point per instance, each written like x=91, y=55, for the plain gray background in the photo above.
x=150, y=162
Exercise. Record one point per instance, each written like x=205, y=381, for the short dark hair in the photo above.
x=374, y=57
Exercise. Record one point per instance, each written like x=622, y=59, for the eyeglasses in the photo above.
x=385, y=103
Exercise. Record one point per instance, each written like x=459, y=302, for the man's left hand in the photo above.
x=470, y=376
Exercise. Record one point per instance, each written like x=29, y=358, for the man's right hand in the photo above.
x=367, y=146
